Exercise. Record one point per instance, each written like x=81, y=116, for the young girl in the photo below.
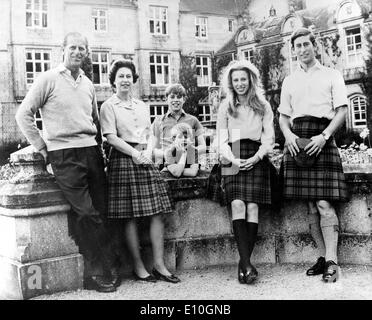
x=245, y=136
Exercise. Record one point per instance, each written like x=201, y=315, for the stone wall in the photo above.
x=199, y=232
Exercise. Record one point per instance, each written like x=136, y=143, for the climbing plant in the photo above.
x=269, y=61
x=331, y=49
x=367, y=76
x=188, y=79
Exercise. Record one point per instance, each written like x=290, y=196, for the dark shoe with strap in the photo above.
x=149, y=278
x=99, y=284
x=172, y=278
x=317, y=268
x=331, y=272
x=250, y=275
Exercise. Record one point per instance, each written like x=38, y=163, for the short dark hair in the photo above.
x=175, y=88
x=123, y=63
x=301, y=32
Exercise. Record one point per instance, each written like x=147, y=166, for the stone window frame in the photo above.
x=102, y=65
x=37, y=14
x=292, y=57
x=200, y=67
x=34, y=65
x=361, y=110
x=353, y=44
x=248, y=54
x=98, y=19
x=158, y=22
x=205, y=112
x=159, y=68
x=230, y=25
x=201, y=27
x=157, y=110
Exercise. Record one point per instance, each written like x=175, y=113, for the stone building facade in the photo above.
x=154, y=33
x=340, y=28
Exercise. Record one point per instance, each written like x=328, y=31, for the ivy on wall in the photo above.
x=269, y=61
x=367, y=77
x=188, y=78
x=331, y=49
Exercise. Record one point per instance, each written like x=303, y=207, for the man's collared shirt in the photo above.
x=162, y=126
x=317, y=92
x=130, y=122
x=67, y=75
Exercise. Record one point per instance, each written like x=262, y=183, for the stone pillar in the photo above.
x=37, y=256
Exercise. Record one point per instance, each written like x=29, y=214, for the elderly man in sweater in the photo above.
x=71, y=142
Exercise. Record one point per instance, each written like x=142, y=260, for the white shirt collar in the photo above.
x=317, y=65
x=62, y=68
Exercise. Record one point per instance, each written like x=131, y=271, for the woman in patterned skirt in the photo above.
x=245, y=136
x=136, y=189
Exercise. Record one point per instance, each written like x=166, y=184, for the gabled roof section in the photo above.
x=228, y=47
x=224, y=7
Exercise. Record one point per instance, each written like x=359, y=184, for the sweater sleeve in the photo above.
x=34, y=100
x=268, y=133
x=222, y=133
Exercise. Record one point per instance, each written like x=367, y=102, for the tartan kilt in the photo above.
x=135, y=190
x=249, y=186
x=324, y=180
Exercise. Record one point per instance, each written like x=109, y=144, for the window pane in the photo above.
x=29, y=67
x=46, y=56
x=166, y=78
x=198, y=60
x=28, y=5
x=104, y=68
x=151, y=58
x=164, y=27
x=104, y=57
x=102, y=13
x=45, y=5
x=95, y=73
x=152, y=74
x=158, y=70
x=94, y=57
x=28, y=55
x=28, y=19
x=158, y=110
x=46, y=66
x=205, y=61
x=165, y=59
x=37, y=56
x=158, y=59
x=151, y=26
x=36, y=4
x=38, y=67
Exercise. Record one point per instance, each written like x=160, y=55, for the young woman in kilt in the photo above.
x=245, y=136
x=136, y=189
x=313, y=105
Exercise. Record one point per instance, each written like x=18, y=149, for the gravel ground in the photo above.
x=275, y=282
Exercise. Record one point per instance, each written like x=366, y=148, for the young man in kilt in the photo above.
x=71, y=142
x=314, y=105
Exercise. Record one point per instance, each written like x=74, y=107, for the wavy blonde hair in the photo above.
x=256, y=99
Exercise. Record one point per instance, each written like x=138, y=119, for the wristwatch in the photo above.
x=326, y=136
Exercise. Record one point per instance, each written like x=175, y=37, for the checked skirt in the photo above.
x=253, y=185
x=135, y=190
x=324, y=180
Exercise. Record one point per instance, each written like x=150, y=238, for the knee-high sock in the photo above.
x=242, y=241
x=315, y=231
x=252, y=228
x=330, y=230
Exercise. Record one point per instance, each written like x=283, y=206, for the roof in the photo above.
x=234, y=7
x=229, y=46
x=121, y=3
x=268, y=31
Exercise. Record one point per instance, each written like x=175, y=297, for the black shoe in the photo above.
x=149, y=278
x=251, y=275
x=247, y=276
x=331, y=271
x=99, y=284
x=115, y=278
x=317, y=268
x=172, y=278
